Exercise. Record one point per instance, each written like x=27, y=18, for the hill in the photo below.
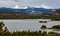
x=28, y=10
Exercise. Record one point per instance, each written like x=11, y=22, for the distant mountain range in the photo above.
x=57, y=12
x=28, y=10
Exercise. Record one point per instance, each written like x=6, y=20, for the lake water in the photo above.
x=28, y=24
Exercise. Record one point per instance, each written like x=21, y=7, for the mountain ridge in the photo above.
x=28, y=10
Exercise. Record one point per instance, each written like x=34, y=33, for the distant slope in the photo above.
x=28, y=10
x=57, y=12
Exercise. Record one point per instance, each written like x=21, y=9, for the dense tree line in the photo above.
x=56, y=27
x=28, y=16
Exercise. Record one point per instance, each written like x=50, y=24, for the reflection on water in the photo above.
x=28, y=24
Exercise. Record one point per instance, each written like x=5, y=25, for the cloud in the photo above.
x=17, y=0
x=11, y=3
x=6, y=3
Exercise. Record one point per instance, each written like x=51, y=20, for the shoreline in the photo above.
x=29, y=19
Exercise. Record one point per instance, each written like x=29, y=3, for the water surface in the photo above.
x=28, y=24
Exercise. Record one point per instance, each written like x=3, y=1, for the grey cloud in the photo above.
x=10, y=3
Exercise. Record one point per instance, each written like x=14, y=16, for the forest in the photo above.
x=28, y=16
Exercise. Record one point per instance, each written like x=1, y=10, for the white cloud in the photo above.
x=45, y=6
x=12, y=3
x=7, y=3
x=16, y=6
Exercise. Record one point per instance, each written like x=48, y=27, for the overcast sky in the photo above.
x=11, y=3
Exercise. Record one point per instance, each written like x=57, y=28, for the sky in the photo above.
x=32, y=3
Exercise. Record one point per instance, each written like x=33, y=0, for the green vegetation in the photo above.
x=56, y=27
x=43, y=26
x=27, y=16
x=5, y=32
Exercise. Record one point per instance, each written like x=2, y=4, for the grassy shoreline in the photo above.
x=26, y=16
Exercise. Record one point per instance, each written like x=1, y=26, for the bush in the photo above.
x=43, y=26
x=56, y=27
